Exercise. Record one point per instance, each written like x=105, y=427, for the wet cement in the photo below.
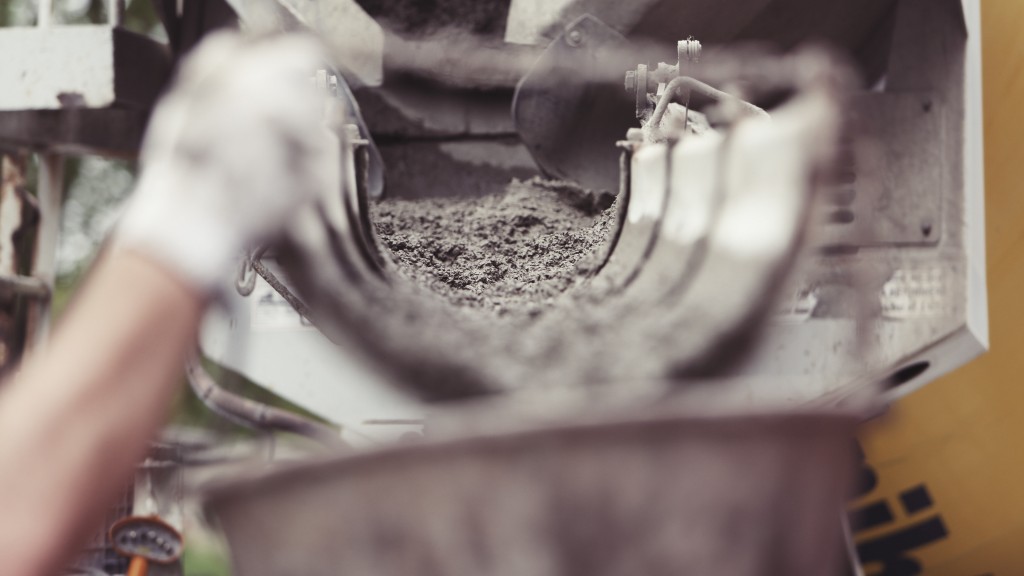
x=491, y=295
x=511, y=253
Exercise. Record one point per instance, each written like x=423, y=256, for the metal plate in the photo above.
x=92, y=66
x=570, y=109
x=893, y=195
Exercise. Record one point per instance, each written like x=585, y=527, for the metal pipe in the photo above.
x=298, y=305
x=251, y=413
x=674, y=88
x=115, y=12
x=44, y=266
x=45, y=13
x=24, y=286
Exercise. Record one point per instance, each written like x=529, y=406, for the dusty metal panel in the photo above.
x=892, y=194
x=847, y=24
x=916, y=238
x=529, y=19
x=570, y=109
x=90, y=66
x=406, y=111
x=469, y=167
x=142, y=68
x=56, y=68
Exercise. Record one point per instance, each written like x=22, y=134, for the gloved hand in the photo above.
x=234, y=149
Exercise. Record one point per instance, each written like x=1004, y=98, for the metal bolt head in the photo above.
x=631, y=81
x=688, y=50
x=575, y=37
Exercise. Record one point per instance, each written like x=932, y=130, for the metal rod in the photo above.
x=298, y=305
x=24, y=286
x=115, y=12
x=251, y=413
x=45, y=14
x=685, y=83
x=44, y=267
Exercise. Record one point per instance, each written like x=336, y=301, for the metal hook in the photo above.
x=245, y=280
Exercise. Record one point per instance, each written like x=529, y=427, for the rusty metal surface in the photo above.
x=730, y=496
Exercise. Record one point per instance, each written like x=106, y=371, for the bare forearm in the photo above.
x=78, y=417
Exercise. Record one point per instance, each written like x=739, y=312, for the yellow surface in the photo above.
x=963, y=436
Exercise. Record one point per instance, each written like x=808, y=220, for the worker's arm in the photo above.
x=234, y=149
x=77, y=419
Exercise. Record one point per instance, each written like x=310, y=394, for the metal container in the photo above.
x=729, y=496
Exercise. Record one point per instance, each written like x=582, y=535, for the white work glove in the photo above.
x=236, y=147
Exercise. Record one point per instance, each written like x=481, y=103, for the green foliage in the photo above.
x=205, y=561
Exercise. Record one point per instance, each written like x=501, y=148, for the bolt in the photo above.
x=631, y=81
x=575, y=37
x=688, y=51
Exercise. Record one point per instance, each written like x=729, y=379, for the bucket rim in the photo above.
x=243, y=484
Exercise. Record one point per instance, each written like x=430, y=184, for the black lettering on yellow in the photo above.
x=891, y=551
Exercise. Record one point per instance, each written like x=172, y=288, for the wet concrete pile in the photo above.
x=479, y=294
x=507, y=254
x=506, y=292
